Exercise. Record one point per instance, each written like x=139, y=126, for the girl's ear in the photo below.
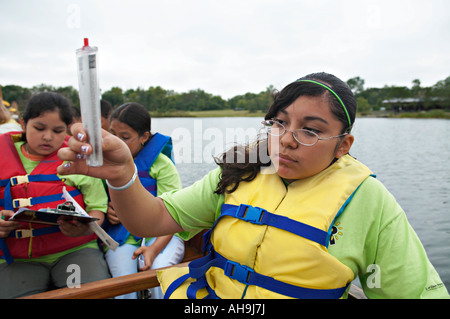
x=345, y=145
x=23, y=125
x=144, y=138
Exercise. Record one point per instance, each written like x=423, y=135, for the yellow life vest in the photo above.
x=271, y=240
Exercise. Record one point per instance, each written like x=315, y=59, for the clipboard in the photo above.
x=50, y=216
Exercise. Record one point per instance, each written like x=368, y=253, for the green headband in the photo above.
x=334, y=93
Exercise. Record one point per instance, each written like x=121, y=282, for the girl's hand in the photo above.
x=139, y=211
x=73, y=228
x=111, y=215
x=118, y=165
x=149, y=254
x=6, y=227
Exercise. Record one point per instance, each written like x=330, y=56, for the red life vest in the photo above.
x=40, y=189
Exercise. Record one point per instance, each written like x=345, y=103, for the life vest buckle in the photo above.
x=238, y=272
x=250, y=214
x=24, y=233
x=21, y=202
x=17, y=180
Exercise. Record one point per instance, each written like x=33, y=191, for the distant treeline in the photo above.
x=159, y=100
x=401, y=98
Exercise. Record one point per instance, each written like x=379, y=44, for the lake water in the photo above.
x=410, y=157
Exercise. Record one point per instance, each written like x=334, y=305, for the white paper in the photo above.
x=100, y=232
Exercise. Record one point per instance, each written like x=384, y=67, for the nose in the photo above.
x=47, y=136
x=288, y=140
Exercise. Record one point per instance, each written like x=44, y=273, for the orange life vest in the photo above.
x=40, y=189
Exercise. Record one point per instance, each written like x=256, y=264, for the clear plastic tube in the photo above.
x=90, y=101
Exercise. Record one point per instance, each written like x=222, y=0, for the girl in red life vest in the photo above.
x=35, y=256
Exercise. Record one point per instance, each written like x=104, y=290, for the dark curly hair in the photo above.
x=254, y=156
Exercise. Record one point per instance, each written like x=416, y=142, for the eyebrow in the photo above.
x=308, y=118
x=63, y=127
x=315, y=118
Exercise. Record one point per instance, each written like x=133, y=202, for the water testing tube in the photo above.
x=90, y=101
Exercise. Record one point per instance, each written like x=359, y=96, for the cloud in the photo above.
x=228, y=47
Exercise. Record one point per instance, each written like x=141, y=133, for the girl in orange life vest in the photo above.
x=309, y=139
x=35, y=255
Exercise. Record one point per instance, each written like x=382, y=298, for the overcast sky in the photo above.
x=226, y=47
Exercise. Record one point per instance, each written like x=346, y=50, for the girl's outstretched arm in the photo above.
x=140, y=212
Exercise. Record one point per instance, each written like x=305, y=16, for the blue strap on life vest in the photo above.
x=158, y=144
x=118, y=232
x=15, y=180
x=36, y=232
x=246, y=275
x=192, y=289
x=10, y=204
x=259, y=216
x=174, y=285
x=18, y=234
x=6, y=253
x=198, y=284
x=148, y=182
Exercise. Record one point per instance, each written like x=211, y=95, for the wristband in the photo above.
x=121, y=188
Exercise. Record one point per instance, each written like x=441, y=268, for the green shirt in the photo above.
x=372, y=237
x=94, y=197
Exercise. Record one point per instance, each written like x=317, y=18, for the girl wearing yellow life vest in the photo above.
x=273, y=208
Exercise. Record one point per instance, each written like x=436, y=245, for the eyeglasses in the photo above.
x=302, y=136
